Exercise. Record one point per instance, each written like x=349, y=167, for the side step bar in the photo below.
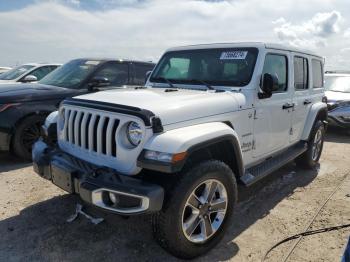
x=261, y=170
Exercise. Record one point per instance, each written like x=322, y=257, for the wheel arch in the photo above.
x=318, y=111
x=215, y=140
x=225, y=148
x=21, y=119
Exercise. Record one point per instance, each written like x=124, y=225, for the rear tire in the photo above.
x=190, y=224
x=26, y=134
x=310, y=158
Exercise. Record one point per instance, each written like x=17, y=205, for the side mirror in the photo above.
x=148, y=74
x=98, y=81
x=29, y=78
x=269, y=84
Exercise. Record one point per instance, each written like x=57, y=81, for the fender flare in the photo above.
x=315, y=111
x=190, y=139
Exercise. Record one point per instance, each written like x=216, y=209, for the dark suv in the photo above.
x=24, y=107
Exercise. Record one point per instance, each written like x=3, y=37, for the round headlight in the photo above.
x=134, y=133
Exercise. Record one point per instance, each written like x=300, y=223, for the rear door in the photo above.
x=301, y=99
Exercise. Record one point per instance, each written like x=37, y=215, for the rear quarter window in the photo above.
x=317, y=73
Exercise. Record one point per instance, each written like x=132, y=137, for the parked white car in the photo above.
x=338, y=99
x=27, y=73
x=4, y=69
x=210, y=116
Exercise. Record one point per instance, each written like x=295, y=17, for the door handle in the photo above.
x=288, y=105
x=307, y=101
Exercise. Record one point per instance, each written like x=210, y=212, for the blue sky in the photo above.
x=60, y=30
x=89, y=5
x=7, y=5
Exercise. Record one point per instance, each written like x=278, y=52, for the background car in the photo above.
x=27, y=73
x=23, y=110
x=338, y=99
x=4, y=69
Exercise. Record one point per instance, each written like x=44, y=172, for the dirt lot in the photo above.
x=33, y=217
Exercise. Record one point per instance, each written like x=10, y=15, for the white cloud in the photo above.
x=347, y=33
x=59, y=30
x=345, y=50
x=279, y=21
x=312, y=33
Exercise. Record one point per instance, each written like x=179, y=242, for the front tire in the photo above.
x=26, y=134
x=197, y=210
x=310, y=158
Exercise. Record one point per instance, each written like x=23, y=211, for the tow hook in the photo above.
x=79, y=210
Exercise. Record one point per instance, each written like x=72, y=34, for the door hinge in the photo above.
x=253, y=144
x=291, y=131
x=255, y=114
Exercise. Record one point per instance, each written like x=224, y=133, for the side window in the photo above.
x=301, y=73
x=116, y=73
x=277, y=66
x=140, y=71
x=53, y=68
x=41, y=72
x=317, y=74
x=177, y=69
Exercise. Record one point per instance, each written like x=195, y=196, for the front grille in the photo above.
x=91, y=131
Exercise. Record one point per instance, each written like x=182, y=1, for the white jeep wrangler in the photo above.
x=209, y=117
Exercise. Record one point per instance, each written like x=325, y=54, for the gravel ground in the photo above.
x=33, y=216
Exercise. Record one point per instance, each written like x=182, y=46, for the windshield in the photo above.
x=16, y=72
x=222, y=67
x=71, y=74
x=338, y=83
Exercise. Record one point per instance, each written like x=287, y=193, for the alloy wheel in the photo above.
x=204, y=211
x=317, y=144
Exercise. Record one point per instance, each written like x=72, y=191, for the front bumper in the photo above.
x=99, y=186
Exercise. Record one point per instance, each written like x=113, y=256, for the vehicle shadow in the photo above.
x=9, y=162
x=40, y=231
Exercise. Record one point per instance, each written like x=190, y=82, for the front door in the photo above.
x=272, y=121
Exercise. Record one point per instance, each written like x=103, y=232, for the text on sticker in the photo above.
x=233, y=55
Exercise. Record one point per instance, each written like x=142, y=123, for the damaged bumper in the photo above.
x=101, y=187
x=340, y=117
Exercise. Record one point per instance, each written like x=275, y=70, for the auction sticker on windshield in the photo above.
x=231, y=55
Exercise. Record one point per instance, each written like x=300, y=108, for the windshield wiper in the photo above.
x=165, y=80
x=210, y=87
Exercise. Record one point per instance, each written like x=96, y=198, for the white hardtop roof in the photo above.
x=244, y=44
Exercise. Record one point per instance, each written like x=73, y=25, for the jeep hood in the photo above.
x=337, y=96
x=173, y=106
